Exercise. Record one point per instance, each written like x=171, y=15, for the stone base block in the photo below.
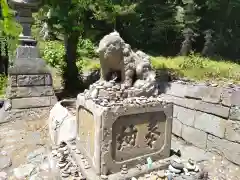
x=30, y=91
x=123, y=136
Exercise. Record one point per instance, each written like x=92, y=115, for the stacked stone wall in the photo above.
x=207, y=117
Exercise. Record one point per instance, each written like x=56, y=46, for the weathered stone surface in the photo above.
x=36, y=157
x=175, y=107
x=3, y=176
x=19, y=114
x=29, y=66
x=198, y=105
x=233, y=131
x=194, y=92
x=211, y=94
x=188, y=103
x=177, y=127
x=194, y=136
x=235, y=98
x=53, y=100
x=30, y=91
x=62, y=125
x=48, y=80
x=5, y=162
x=235, y=113
x=13, y=80
x=184, y=115
x=215, y=109
x=31, y=102
x=210, y=123
x=177, y=89
x=27, y=52
x=205, y=93
x=190, y=152
x=30, y=80
x=24, y=171
x=226, y=96
x=229, y=149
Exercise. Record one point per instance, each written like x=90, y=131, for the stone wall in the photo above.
x=207, y=117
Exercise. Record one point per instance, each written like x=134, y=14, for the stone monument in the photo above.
x=121, y=121
x=208, y=48
x=186, y=47
x=30, y=81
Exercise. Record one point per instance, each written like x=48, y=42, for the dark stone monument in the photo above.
x=30, y=81
x=209, y=44
x=186, y=47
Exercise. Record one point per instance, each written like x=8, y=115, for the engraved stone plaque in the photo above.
x=138, y=134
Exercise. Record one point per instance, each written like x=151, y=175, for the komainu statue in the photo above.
x=123, y=71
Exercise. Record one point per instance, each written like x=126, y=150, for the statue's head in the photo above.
x=111, y=45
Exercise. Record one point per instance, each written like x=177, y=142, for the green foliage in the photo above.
x=54, y=53
x=193, y=61
x=3, y=83
x=86, y=48
x=199, y=68
x=9, y=28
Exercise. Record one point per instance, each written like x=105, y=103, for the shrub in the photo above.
x=86, y=48
x=3, y=83
x=54, y=54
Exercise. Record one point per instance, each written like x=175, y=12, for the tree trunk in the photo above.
x=70, y=75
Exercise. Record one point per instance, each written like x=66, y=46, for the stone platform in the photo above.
x=90, y=174
x=121, y=136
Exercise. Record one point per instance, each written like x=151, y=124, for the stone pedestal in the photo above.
x=30, y=81
x=116, y=138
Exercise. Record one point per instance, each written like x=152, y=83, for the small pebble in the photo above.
x=74, y=147
x=54, y=152
x=197, y=168
x=3, y=176
x=161, y=174
x=77, y=151
x=104, y=177
x=65, y=175
x=174, y=170
x=61, y=165
x=169, y=177
x=190, y=167
x=177, y=164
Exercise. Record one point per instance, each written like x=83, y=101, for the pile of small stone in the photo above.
x=65, y=163
x=177, y=170
x=109, y=94
x=106, y=92
x=190, y=170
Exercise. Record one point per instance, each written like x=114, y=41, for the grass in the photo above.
x=200, y=69
x=193, y=67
